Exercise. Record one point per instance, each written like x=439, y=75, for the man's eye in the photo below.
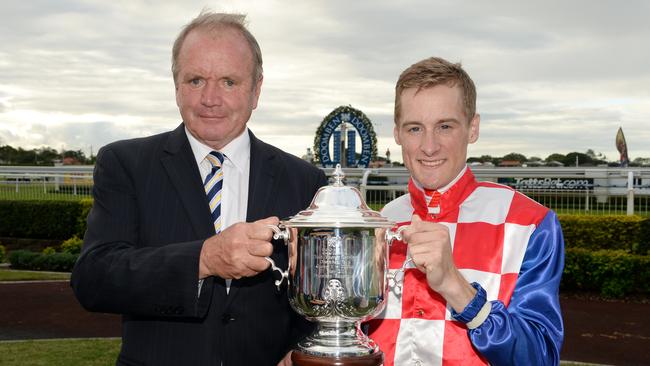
x=196, y=82
x=414, y=129
x=445, y=128
x=229, y=83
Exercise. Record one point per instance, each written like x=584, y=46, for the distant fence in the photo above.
x=49, y=183
x=591, y=191
x=597, y=191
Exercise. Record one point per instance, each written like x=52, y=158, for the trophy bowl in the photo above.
x=338, y=260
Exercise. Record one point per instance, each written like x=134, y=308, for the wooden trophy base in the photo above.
x=302, y=359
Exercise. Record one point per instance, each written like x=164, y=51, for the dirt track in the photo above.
x=596, y=331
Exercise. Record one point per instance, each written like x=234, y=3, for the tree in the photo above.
x=24, y=157
x=490, y=159
x=76, y=154
x=555, y=157
x=591, y=153
x=483, y=159
x=515, y=157
x=7, y=154
x=47, y=155
x=640, y=162
x=577, y=159
x=596, y=158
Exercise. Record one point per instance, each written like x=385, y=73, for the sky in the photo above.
x=551, y=76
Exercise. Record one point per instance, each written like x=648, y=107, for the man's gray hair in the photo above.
x=215, y=22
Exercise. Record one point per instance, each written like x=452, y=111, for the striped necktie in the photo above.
x=213, y=186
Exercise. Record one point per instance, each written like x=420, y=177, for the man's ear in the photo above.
x=474, y=129
x=257, y=91
x=396, y=133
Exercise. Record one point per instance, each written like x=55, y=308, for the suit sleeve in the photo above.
x=115, y=274
x=530, y=330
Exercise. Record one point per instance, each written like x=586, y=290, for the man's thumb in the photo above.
x=272, y=220
x=415, y=218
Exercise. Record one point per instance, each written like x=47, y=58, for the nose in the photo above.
x=429, y=143
x=211, y=95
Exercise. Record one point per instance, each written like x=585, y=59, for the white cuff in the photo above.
x=200, y=284
x=481, y=316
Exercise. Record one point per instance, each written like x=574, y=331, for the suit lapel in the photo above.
x=183, y=172
x=261, y=179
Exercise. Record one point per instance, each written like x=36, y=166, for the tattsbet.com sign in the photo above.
x=548, y=183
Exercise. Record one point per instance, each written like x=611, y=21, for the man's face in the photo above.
x=215, y=92
x=434, y=132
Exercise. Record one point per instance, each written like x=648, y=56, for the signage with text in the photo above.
x=548, y=183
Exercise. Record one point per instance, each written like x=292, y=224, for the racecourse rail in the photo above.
x=583, y=190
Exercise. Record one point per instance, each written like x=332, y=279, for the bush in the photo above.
x=24, y=259
x=72, y=245
x=612, y=273
x=43, y=219
x=3, y=253
x=86, y=205
x=48, y=250
x=630, y=233
x=59, y=262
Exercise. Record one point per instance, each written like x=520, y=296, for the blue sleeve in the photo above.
x=530, y=330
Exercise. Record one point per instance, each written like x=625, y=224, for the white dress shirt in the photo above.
x=236, y=168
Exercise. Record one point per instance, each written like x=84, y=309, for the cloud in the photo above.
x=551, y=76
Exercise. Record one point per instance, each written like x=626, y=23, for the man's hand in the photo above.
x=286, y=361
x=430, y=247
x=238, y=251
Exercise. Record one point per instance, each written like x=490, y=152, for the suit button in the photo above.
x=227, y=318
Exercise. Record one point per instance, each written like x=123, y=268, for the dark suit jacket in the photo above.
x=141, y=252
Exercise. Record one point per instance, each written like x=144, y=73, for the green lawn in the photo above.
x=60, y=352
x=16, y=275
x=73, y=352
x=38, y=192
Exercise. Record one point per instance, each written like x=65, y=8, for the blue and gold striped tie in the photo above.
x=213, y=186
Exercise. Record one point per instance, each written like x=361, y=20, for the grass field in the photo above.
x=77, y=352
x=39, y=192
x=60, y=352
x=16, y=275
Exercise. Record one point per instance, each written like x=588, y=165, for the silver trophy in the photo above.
x=338, y=261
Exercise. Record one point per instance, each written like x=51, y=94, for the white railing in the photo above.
x=594, y=191
x=50, y=183
x=566, y=190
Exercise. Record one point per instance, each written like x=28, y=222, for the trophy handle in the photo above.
x=395, y=279
x=395, y=235
x=279, y=234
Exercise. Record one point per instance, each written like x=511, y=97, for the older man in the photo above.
x=178, y=233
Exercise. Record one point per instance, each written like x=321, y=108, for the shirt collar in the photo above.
x=452, y=196
x=445, y=188
x=237, y=151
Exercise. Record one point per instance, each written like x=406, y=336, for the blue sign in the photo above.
x=329, y=130
x=337, y=147
x=352, y=155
